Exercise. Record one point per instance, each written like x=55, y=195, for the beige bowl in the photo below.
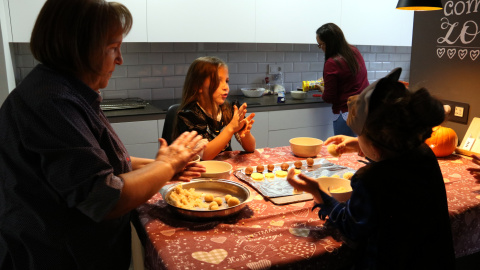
x=298, y=94
x=216, y=169
x=340, y=188
x=305, y=146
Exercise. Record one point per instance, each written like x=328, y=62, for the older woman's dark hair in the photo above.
x=71, y=35
x=399, y=119
x=336, y=45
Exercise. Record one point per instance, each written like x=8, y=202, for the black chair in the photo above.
x=167, y=132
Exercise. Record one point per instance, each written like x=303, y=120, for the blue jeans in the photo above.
x=340, y=127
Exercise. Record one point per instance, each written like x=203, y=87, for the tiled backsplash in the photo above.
x=157, y=70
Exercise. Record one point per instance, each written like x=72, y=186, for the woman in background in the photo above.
x=204, y=108
x=67, y=183
x=397, y=216
x=344, y=74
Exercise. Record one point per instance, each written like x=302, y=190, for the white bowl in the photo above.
x=335, y=183
x=298, y=94
x=305, y=146
x=253, y=92
x=216, y=169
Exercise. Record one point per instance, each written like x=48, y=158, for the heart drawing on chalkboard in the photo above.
x=440, y=52
x=451, y=53
x=462, y=53
x=474, y=54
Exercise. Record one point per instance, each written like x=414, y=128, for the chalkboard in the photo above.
x=446, y=55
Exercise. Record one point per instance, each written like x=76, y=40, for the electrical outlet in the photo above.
x=458, y=111
x=275, y=69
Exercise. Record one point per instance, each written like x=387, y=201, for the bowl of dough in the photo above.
x=253, y=92
x=216, y=169
x=339, y=188
x=305, y=146
x=298, y=94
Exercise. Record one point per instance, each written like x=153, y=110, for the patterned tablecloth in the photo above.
x=264, y=235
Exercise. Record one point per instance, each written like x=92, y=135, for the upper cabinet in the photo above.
x=367, y=22
x=376, y=22
x=201, y=21
x=287, y=21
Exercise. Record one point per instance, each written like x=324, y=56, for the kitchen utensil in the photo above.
x=253, y=92
x=216, y=169
x=305, y=146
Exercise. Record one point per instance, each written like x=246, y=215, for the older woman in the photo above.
x=67, y=182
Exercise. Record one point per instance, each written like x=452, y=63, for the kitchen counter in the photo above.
x=157, y=109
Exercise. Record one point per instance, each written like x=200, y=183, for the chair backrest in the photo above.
x=167, y=132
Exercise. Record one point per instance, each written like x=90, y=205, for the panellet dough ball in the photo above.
x=260, y=168
x=310, y=162
x=218, y=200
x=298, y=164
x=270, y=167
x=348, y=175
x=281, y=173
x=233, y=201
x=208, y=198
x=248, y=170
x=257, y=176
x=332, y=150
x=213, y=206
x=228, y=196
x=284, y=166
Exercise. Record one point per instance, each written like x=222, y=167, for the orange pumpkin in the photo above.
x=443, y=141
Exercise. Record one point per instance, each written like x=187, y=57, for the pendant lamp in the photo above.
x=419, y=4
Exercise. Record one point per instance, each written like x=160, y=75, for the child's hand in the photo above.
x=345, y=144
x=237, y=123
x=248, y=125
x=305, y=183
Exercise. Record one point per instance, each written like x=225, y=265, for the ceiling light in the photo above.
x=419, y=4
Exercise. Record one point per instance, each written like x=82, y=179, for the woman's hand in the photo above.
x=305, y=183
x=192, y=170
x=180, y=152
x=345, y=144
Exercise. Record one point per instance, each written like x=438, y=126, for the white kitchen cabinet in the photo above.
x=139, y=137
x=376, y=22
x=286, y=21
x=201, y=21
x=259, y=131
x=310, y=122
x=23, y=14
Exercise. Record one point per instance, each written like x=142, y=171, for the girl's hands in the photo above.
x=248, y=125
x=305, y=183
x=345, y=144
x=239, y=123
x=180, y=152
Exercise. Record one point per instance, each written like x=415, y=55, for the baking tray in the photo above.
x=279, y=191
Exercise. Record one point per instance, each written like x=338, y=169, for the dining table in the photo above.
x=269, y=235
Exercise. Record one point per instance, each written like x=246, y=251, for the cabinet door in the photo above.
x=259, y=131
x=201, y=21
x=376, y=22
x=287, y=21
x=139, y=137
x=138, y=8
x=23, y=14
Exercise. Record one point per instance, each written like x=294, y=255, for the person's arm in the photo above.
x=345, y=144
x=330, y=74
x=141, y=184
x=245, y=137
x=138, y=162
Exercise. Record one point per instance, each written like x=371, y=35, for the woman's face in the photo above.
x=220, y=95
x=112, y=57
x=321, y=44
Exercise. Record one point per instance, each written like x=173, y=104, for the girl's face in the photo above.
x=220, y=95
x=368, y=149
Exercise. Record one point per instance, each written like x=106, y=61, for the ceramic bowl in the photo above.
x=298, y=94
x=253, y=92
x=305, y=146
x=216, y=169
x=339, y=188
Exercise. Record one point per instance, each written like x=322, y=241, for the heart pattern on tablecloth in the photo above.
x=302, y=232
x=278, y=223
x=304, y=250
x=301, y=212
x=260, y=265
x=169, y=232
x=455, y=175
x=219, y=240
x=200, y=238
x=215, y=256
x=259, y=249
x=258, y=207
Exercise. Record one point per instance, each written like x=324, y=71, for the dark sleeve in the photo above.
x=73, y=162
x=188, y=120
x=330, y=77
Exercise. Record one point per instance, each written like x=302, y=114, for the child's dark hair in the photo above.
x=399, y=119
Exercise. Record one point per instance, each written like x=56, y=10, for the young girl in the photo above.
x=204, y=109
x=397, y=216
